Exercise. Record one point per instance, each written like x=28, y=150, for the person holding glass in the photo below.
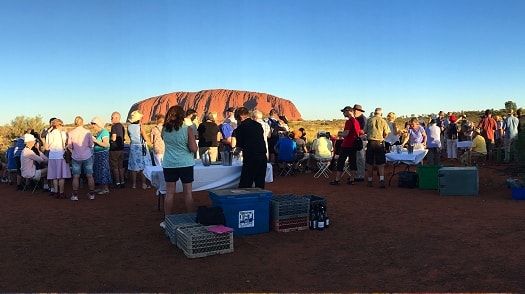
x=101, y=170
x=139, y=155
x=417, y=137
x=178, y=161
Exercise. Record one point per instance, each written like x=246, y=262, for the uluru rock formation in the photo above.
x=215, y=100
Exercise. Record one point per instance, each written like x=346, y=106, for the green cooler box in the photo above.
x=458, y=181
x=428, y=176
x=247, y=210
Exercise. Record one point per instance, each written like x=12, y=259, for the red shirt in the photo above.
x=488, y=125
x=352, y=125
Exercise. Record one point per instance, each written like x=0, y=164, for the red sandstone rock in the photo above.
x=215, y=100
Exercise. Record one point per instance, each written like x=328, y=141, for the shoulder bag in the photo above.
x=358, y=144
x=67, y=152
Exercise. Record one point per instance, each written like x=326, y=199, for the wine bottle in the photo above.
x=326, y=218
x=320, y=218
x=313, y=218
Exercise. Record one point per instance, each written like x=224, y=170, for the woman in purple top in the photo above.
x=417, y=136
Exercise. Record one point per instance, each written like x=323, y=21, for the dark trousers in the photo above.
x=253, y=171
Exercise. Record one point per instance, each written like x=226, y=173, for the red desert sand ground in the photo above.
x=380, y=240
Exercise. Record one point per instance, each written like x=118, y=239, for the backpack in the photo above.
x=452, y=131
x=275, y=126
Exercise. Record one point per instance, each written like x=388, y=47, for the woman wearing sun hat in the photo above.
x=101, y=170
x=139, y=155
x=58, y=169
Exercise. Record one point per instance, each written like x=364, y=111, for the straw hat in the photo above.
x=135, y=116
x=98, y=121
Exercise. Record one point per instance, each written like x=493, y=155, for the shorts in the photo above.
x=38, y=175
x=375, y=153
x=82, y=166
x=116, y=159
x=185, y=174
x=489, y=144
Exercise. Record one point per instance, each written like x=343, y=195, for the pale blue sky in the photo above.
x=89, y=58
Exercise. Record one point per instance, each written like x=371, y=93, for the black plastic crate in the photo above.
x=288, y=206
x=315, y=200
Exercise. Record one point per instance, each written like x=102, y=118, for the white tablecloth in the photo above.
x=464, y=144
x=205, y=177
x=404, y=157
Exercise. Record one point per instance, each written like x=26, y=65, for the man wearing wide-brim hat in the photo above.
x=360, y=155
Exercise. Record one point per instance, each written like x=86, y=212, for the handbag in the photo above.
x=358, y=144
x=68, y=155
x=144, y=149
x=143, y=143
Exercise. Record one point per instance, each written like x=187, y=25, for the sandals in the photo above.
x=334, y=183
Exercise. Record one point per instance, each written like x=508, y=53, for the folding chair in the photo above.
x=324, y=170
x=346, y=169
x=11, y=176
x=287, y=169
x=30, y=183
x=302, y=163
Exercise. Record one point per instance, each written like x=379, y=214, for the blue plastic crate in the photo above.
x=246, y=210
x=518, y=193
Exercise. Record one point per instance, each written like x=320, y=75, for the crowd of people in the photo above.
x=437, y=134
x=98, y=155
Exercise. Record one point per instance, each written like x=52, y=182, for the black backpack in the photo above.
x=452, y=131
x=210, y=215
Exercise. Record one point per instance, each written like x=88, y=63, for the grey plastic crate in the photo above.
x=197, y=241
x=173, y=221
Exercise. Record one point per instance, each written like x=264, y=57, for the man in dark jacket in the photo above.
x=248, y=138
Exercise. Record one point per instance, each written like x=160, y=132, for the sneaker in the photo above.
x=121, y=186
x=145, y=186
x=369, y=184
x=74, y=198
x=91, y=196
x=102, y=192
x=163, y=225
x=382, y=184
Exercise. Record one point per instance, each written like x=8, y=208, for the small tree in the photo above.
x=510, y=105
x=20, y=125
